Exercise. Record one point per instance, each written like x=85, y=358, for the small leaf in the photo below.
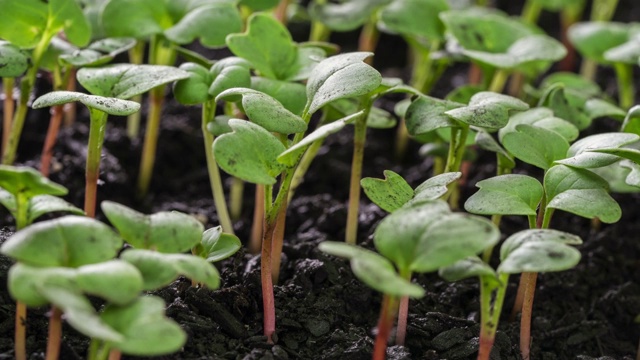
x=389, y=194
x=572, y=82
x=291, y=95
x=146, y=329
x=470, y=267
x=116, y=281
x=415, y=18
x=13, y=62
x=197, y=19
x=250, y=152
x=524, y=52
x=28, y=182
x=581, y=154
x=426, y=114
x=216, y=245
x=567, y=105
x=633, y=178
x=69, y=241
x=626, y=53
x=631, y=123
x=593, y=39
x=44, y=204
x=539, y=250
x=486, y=142
x=194, y=89
x=166, y=232
x=435, y=187
x=229, y=73
x=543, y=118
x=536, y=146
x=23, y=282
x=345, y=16
x=488, y=110
x=630, y=154
x=108, y=105
x=265, y=111
x=197, y=269
x=99, y=52
x=510, y=194
x=338, y=77
x=580, y=192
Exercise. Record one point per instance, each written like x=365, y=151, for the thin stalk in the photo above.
x=278, y=242
x=280, y=12
x=527, y=309
x=626, y=88
x=359, y=140
x=369, y=36
x=55, y=334
x=304, y=165
x=388, y=310
x=7, y=110
x=115, y=354
x=531, y=11
x=70, y=108
x=438, y=166
x=491, y=301
x=215, y=181
x=403, y=314
x=50, y=140
x=457, y=148
x=258, y=221
x=495, y=219
x=94, y=151
x=20, y=346
x=136, y=56
x=569, y=16
x=235, y=198
x=319, y=31
x=26, y=85
x=499, y=80
x=601, y=10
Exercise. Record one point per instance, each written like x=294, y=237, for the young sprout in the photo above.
x=32, y=24
x=420, y=237
x=601, y=11
x=534, y=250
x=13, y=63
x=28, y=195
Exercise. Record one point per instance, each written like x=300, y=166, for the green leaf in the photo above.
x=593, y=39
x=488, y=110
x=267, y=44
x=250, y=152
x=265, y=111
x=486, y=142
x=631, y=121
x=24, y=280
x=539, y=250
x=259, y=5
x=67, y=16
x=69, y=241
x=373, y=269
x=625, y=153
x=426, y=114
x=543, y=118
x=28, y=182
x=558, y=5
x=627, y=53
x=581, y=154
x=194, y=89
x=524, y=52
x=146, y=329
x=116, y=281
x=23, y=22
x=166, y=232
x=510, y=194
x=345, y=16
x=198, y=18
x=470, y=267
x=99, y=52
x=127, y=80
x=536, y=146
x=109, y=105
x=338, y=77
x=377, y=119
x=291, y=95
x=572, y=82
x=13, y=62
x=292, y=155
x=598, y=108
x=216, y=245
x=44, y=204
x=389, y=194
x=229, y=73
x=415, y=18
x=434, y=187
x=580, y=192
x=633, y=178
x=567, y=105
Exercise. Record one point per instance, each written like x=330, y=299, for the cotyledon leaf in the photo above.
x=108, y=105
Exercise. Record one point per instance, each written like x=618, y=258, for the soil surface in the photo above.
x=322, y=311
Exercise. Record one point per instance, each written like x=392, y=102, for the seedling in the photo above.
x=420, y=237
x=13, y=63
x=601, y=11
x=28, y=195
x=534, y=250
x=31, y=25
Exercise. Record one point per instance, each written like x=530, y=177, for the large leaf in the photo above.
x=390, y=193
x=580, y=192
x=338, y=77
x=145, y=328
x=109, y=105
x=536, y=146
x=116, y=281
x=166, y=232
x=13, y=62
x=216, y=245
x=539, y=250
x=415, y=18
x=426, y=114
x=127, y=80
x=265, y=111
x=69, y=241
x=510, y=194
x=345, y=16
x=488, y=110
x=249, y=152
x=582, y=153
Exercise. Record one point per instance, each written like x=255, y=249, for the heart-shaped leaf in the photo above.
x=13, y=62
x=166, y=232
x=536, y=146
x=389, y=194
x=415, y=18
x=69, y=241
x=216, y=245
x=345, y=16
x=488, y=110
x=249, y=152
x=44, y=204
x=99, y=52
x=426, y=114
x=582, y=153
x=145, y=328
x=127, y=80
x=265, y=111
x=229, y=73
x=338, y=77
x=539, y=250
x=116, y=281
x=109, y=105
x=510, y=194
x=435, y=187
x=580, y=192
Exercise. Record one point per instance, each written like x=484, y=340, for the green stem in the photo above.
x=499, y=80
x=491, y=301
x=369, y=36
x=319, y=31
x=94, y=151
x=304, y=165
x=136, y=56
x=626, y=88
x=215, y=181
x=531, y=11
x=7, y=110
x=235, y=198
x=20, y=343
x=359, y=140
x=601, y=10
x=457, y=148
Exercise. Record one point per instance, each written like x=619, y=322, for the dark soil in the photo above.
x=323, y=312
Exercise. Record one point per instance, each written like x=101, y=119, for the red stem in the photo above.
x=115, y=354
x=268, y=302
x=527, y=310
x=486, y=344
x=403, y=313
x=21, y=331
x=278, y=240
x=50, y=140
x=388, y=310
x=55, y=334
x=258, y=221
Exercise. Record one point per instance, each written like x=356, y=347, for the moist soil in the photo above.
x=322, y=311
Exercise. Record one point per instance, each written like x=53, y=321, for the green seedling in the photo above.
x=202, y=87
x=534, y=250
x=420, y=237
x=99, y=108
x=28, y=195
x=13, y=63
x=601, y=11
x=158, y=241
x=31, y=25
x=254, y=154
x=612, y=44
x=500, y=45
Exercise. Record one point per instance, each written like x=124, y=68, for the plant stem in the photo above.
x=319, y=31
x=388, y=310
x=491, y=301
x=626, y=89
x=7, y=110
x=281, y=11
x=215, y=181
x=115, y=354
x=403, y=313
x=20, y=345
x=50, y=140
x=268, y=303
x=359, y=139
x=369, y=36
x=527, y=309
x=136, y=56
x=569, y=16
x=457, y=147
x=531, y=11
x=499, y=80
x=258, y=220
x=304, y=165
x=278, y=240
x=55, y=334
x=69, y=109
x=601, y=10
x=235, y=198
x=94, y=151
